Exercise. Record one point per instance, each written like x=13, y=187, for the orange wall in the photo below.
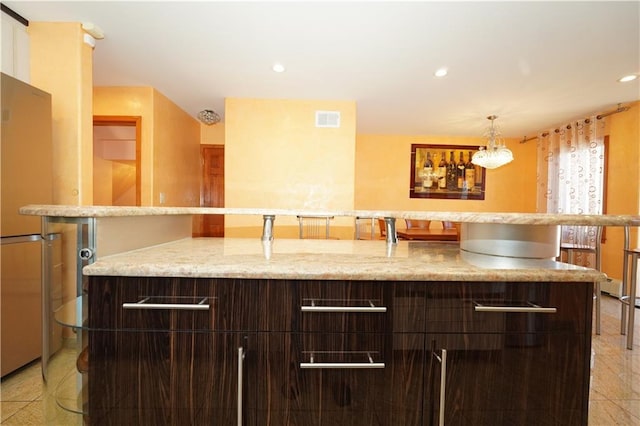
x=275, y=157
x=169, y=147
x=623, y=184
x=103, y=182
x=212, y=135
x=383, y=165
x=176, y=154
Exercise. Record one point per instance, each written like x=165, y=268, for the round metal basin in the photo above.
x=522, y=241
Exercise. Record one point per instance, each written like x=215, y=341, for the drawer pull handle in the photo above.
x=351, y=365
x=349, y=309
x=531, y=308
x=328, y=365
x=142, y=304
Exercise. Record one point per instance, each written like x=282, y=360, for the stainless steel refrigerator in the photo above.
x=26, y=175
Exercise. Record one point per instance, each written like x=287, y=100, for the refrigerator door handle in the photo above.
x=20, y=239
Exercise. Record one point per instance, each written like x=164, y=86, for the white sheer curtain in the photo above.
x=570, y=174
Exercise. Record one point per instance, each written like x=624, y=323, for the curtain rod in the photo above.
x=587, y=120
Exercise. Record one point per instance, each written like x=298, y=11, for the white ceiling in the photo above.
x=536, y=65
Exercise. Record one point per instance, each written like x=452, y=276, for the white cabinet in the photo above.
x=15, y=49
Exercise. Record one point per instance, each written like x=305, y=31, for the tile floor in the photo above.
x=614, y=399
x=26, y=400
x=615, y=382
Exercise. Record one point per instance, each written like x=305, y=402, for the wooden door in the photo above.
x=170, y=378
x=526, y=382
x=211, y=192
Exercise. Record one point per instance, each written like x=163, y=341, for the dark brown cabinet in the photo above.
x=296, y=352
x=335, y=359
x=519, y=385
x=169, y=351
x=516, y=353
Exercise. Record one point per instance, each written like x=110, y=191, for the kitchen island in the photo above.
x=287, y=332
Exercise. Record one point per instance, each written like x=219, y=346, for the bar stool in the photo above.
x=365, y=228
x=587, y=240
x=314, y=227
x=629, y=285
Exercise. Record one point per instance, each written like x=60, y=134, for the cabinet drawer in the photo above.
x=169, y=313
x=348, y=307
x=171, y=304
x=323, y=306
x=340, y=394
x=340, y=350
x=508, y=307
x=342, y=306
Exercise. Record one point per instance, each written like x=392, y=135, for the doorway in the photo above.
x=116, y=161
x=211, y=192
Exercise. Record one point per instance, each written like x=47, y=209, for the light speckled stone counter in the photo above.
x=330, y=259
x=468, y=217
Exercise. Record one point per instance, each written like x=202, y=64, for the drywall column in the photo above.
x=62, y=64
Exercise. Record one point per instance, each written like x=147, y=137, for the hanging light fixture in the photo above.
x=496, y=154
x=208, y=116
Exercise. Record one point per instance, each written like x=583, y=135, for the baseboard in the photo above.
x=613, y=287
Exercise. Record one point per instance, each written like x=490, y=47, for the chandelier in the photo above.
x=208, y=116
x=496, y=154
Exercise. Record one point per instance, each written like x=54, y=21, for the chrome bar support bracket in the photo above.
x=390, y=228
x=267, y=227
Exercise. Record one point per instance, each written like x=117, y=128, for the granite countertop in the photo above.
x=330, y=259
x=468, y=217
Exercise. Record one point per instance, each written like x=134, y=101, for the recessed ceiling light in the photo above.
x=629, y=77
x=277, y=67
x=441, y=72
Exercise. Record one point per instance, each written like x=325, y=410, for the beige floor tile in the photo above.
x=595, y=395
x=8, y=409
x=632, y=406
x=23, y=385
x=45, y=412
x=32, y=414
x=615, y=377
x=608, y=413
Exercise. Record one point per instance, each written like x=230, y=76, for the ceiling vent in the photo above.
x=327, y=119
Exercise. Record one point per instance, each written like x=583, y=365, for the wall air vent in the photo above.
x=327, y=119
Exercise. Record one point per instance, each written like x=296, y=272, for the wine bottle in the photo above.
x=427, y=179
x=452, y=177
x=442, y=172
x=460, y=172
x=470, y=173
